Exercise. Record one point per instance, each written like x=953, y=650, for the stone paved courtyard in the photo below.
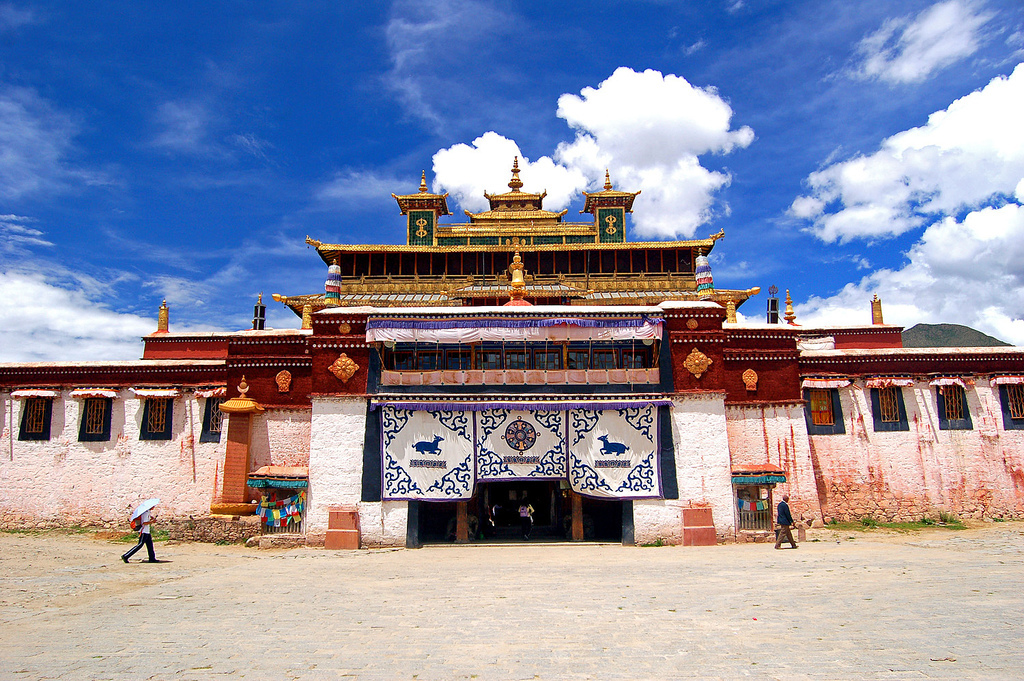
x=936, y=604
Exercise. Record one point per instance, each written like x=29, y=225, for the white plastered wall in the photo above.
x=63, y=482
x=702, y=471
x=776, y=434
x=336, y=472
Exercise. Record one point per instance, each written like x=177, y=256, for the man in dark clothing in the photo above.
x=785, y=521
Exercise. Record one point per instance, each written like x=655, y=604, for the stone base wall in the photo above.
x=213, y=529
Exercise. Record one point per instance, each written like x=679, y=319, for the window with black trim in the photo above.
x=579, y=360
x=213, y=418
x=888, y=410
x=157, y=416
x=35, y=418
x=547, y=359
x=603, y=359
x=490, y=359
x=515, y=360
x=823, y=411
x=458, y=360
x=952, y=407
x=1011, y=397
x=95, y=426
x=635, y=359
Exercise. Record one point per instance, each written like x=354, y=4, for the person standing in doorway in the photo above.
x=785, y=520
x=145, y=538
x=526, y=517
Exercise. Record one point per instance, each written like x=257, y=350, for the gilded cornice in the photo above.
x=329, y=251
x=517, y=215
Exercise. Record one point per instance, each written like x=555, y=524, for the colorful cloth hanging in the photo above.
x=280, y=512
x=746, y=505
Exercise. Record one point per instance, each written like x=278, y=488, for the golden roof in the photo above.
x=329, y=251
x=423, y=199
x=607, y=196
x=515, y=199
x=517, y=215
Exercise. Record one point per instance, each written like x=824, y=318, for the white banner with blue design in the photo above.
x=520, y=445
x=427, y=454
x=614, y=453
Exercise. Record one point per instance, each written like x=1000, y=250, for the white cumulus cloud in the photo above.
x=46, y=322
x=968, y=272
x=909, y=50
x=467, y=171
x=649, y=129
x=965, y=155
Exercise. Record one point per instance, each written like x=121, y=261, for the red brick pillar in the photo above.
x=236, y=460
x=235, y=473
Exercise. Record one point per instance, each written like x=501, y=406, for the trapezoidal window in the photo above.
x=821, y=407
x=156, y=419
x=1011, y=398
x=95, y=426
x=823, y=411
x=213, y=419
x=887, y=409
x=952, y=408
x=35, y=419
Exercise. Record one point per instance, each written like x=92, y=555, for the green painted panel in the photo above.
x=421, y=228
x=483, y=241
x=547, y=240
x=611, y=225
x=579, y=239
x=451, y=241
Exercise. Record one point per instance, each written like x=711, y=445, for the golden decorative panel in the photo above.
x=750, y=379
x=344, y=327
x=343, y=368
x=697, y=363
x=284, y=381
x=691, y=323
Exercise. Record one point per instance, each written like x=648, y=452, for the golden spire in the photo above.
x=607, y=180
x=259, y=301
x=876, y=310
x=790, y=316
x=162, y=318
x=307, y=316
x=515, y=184
x=423, y=182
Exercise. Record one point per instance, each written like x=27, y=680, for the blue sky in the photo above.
x=184, y=151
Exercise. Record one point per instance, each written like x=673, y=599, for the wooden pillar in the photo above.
x=462, y=522
x=577, y=517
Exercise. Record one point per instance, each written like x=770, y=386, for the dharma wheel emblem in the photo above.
x=610, y=221
x=750, y=379
x=284, y=381
x=343, y=368
x=422, y=224
x=520, y=435
x=697, y=363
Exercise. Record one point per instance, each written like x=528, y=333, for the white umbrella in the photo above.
x=143, y=507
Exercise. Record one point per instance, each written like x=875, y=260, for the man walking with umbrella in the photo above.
x=145, y=523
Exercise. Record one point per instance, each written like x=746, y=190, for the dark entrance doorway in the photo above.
x=493, y=515
x=497, y=505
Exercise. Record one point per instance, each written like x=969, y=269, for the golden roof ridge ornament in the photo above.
x=790, y=315
x=607, y=180
x=515, y=184
x=423, y=182
x=241, y=404
x=517, y=287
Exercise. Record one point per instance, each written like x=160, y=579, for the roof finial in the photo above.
x=515, y=184
x=423, y=182
x=790, y=315
x=876, y=310
x=607, y=179
x=162, y=318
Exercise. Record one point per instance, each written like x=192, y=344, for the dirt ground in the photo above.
x=928, y=604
